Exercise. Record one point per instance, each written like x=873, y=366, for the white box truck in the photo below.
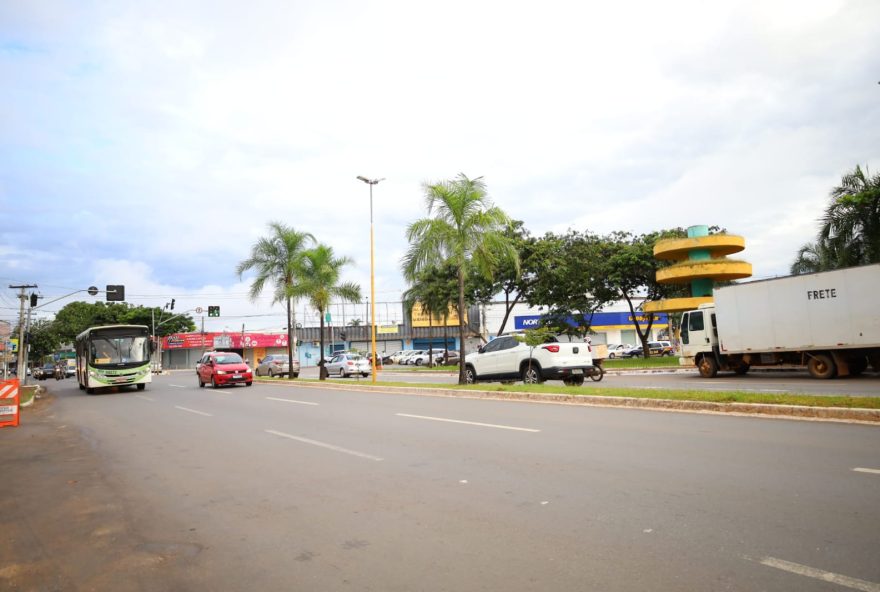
x=828, y=322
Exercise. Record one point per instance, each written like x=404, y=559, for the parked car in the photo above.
x=276, y=365
x=346, y=364
x=620, y=350
x=394, y=358
x=656, y=348
x=449, y=358
x=420, y=359
x=220, y=368
x=506, y=358
x=407, y=358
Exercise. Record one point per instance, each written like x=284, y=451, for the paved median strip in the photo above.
x=325, y=445
x=193, y=411
x=292, y=401
x=473, y=423
x=819, y=574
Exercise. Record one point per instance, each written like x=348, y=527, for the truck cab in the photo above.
x=699, y=340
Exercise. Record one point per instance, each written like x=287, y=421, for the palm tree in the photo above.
x=427, y=293
x=465, y=230
x=851, y=225
x=319, y=284
x=277, y=261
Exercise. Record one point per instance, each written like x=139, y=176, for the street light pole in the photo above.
x=372, y=182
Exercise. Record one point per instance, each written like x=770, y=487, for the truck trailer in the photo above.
x=828, y=322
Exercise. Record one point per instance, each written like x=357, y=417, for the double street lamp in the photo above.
x=372, y=182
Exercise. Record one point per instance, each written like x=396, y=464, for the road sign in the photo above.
x=93, y=290
x=198, y=310
x=327, y=317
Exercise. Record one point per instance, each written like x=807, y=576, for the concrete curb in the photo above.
x=841, y=414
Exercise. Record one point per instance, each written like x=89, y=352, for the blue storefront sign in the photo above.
x=600, y=321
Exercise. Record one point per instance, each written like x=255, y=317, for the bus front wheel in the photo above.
x=141, y=386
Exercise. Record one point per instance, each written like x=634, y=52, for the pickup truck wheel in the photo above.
x=470, y=375
x=708, y=367
x=821, y=366
x=532, y=374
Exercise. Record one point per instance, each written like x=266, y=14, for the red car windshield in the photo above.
x=228, y=359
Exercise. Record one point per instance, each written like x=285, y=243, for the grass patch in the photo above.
x=671, y=394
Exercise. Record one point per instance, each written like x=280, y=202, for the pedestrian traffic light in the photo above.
x=213, y=311
x=115, y=293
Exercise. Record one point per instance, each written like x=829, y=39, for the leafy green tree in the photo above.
x=512, y=277
x=570, y=280
x=76, y=317
x=43, y=339
x=629, y=268
x=850, y=228
x=463, y=228
x=278, y=261
x=318, y=282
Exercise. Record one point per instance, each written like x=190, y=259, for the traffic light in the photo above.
x=33, y=299
x=342, y=335
x=213, y=311
x=115, y=293
x=172, y=304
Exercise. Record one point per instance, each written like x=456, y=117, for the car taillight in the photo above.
x=350, y=363
x=552, y=348
x=590, y=348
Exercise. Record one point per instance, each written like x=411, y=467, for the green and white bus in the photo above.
x=113, y=356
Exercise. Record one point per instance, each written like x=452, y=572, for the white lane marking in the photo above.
x=292, y=401
x=474, y=423
x=193, y=411
x=177, y=385
x=145, y=397
x=324, y=445
x=864, y=470
x=825, y=576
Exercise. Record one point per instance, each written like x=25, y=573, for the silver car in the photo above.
x=276, y=365
x=344, y=365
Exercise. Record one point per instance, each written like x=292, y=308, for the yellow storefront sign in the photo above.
x=420, y=318
x=385, y=329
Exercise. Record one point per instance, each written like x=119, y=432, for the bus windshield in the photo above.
x=119, y=350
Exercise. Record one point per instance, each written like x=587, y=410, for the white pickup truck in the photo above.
x=507, y=359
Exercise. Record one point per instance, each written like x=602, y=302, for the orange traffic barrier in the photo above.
x=9, y=407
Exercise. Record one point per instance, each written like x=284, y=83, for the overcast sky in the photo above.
x=150, y=143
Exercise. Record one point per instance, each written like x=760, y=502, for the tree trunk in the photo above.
x=508, y=307
x=643, y=337
x=322, y=371
x=461, y=325
x=289, y=344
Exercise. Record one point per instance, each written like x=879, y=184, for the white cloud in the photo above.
x=153, y=142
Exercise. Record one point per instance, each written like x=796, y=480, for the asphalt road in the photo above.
x=279, y=488
x=759, y=381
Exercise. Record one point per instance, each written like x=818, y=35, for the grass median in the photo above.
x=593, y=389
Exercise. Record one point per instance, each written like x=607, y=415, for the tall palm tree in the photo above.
x=851, y=224
x=463, y=228
x=319, y=284
x=277, y=260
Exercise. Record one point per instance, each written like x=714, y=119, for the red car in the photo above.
x=221, y=368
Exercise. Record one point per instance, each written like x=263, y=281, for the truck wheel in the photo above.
x=708, y=367
x=470, y=375
x=821, y=366
x=296, y=374
x=857, y=366
x=531, y=374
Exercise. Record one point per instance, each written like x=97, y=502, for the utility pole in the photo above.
x=22, y=357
